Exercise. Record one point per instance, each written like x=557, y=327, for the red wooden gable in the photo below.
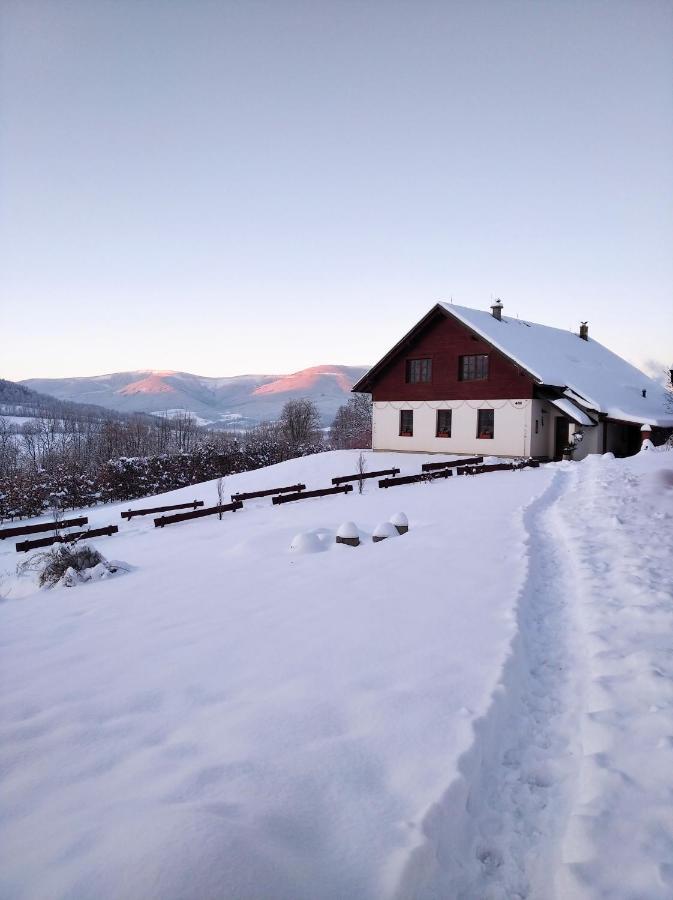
x=444, y=340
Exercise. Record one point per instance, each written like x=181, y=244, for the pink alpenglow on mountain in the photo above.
x=243, y=399
x=153, y=384
x=306, y=380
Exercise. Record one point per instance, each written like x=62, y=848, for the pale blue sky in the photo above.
x=229, y=187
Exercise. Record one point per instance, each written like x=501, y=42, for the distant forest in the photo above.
x=69, y=455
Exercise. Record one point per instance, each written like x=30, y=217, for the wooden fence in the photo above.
x=478, y=470
x=342, y=479
x=498, y=467
x=43, y=526
x=325, y=492
x=24, y=546
x=413, y=479
x=251, y=495
x=146, y=511
x=197, y=514
x=452, y=464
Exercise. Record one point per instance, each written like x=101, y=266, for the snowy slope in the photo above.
x=233, y=720
x=479, y=708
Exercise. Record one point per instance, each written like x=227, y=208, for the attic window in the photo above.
x=418, y=370
x=473, y=368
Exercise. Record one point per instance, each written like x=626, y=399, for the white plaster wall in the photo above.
x=542, y=443
x=592, y=442
x=512, y=427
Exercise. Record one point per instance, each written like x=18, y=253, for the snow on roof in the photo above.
x=574, y=412
x=596, y=376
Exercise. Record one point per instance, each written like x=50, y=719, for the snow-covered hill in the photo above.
x=482, y=707
x=221, y=401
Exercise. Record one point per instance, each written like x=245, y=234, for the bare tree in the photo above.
x=300, y=421
x=352, y=425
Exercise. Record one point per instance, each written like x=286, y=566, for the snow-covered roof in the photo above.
x=590, y=373
x=572, y=411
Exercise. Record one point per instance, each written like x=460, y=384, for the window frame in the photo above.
x=443, y=434
x=482, y=429
x=410, y=431
x=418, y=370
x=477, y=371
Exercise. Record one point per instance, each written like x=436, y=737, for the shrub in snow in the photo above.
x=68, y=564
x=400, y=521
x=384, y=530
x=348, y=533
x=307, y=542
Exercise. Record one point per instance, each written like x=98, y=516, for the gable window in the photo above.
x=418, y=370
x=443, y=423
x=485, y=423
x=406, y=422
x=473, y=368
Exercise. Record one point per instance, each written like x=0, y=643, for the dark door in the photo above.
x=561, y=435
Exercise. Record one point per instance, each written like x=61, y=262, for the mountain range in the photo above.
x=236, y=401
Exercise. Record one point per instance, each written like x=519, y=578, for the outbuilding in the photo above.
x=472, y=381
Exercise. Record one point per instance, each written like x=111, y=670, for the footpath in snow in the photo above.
x=567, y=791
x=482, y=708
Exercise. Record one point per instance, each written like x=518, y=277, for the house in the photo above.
x=472, y=381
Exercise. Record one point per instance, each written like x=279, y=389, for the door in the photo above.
x=561, y=436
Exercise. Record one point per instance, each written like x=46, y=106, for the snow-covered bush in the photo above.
x=307, y=542
x=68, y=564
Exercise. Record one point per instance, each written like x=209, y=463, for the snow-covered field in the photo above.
x=482, y=707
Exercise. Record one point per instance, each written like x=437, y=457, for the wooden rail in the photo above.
x=499, y=467
x=146, y=511
x=197, y=514
x=325, y=492
x=43, y=526
x=479, y=470
x=452, y=464
x=24, y=546
x=250, y=495
x=413, y=479
x=342, y=479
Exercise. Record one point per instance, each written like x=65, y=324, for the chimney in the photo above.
x=584, y=331
x=496, y=309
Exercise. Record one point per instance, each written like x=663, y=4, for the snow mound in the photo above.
x=399, y=518
x=307, y=542
x=348, y=530
x=384, y=530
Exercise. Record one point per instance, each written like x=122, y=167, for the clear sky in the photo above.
x=229, y=187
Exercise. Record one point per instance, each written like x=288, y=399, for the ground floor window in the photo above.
x=485, y=423
x=406, y=422
x=443, y=423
